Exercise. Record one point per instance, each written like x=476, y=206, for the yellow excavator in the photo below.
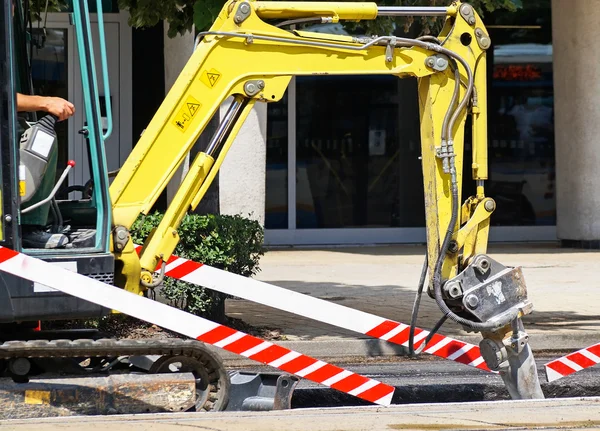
x=249, y=56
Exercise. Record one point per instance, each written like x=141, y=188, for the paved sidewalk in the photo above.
x=564, y=285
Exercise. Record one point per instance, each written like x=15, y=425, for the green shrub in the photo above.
x=232, y=243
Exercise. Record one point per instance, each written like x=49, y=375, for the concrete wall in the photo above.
x=242, y=176
x=177, y=51
x=577, y=118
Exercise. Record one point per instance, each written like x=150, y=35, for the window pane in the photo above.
x=276, y=200
x=521, y=118
x=350, y=154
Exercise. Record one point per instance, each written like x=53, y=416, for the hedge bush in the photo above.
x=232, y=243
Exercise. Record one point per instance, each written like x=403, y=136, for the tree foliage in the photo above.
x=182, y=15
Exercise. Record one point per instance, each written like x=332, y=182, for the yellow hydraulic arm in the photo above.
x=247, y=59
x=250, y=60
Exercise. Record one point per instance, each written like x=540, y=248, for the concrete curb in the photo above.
x=338, y=348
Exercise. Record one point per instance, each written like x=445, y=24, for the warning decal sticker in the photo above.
x=186, y=113
x=210, y=77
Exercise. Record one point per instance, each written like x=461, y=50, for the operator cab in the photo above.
x=53, y=215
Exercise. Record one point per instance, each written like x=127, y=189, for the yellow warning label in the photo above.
x=37, y=397
x=186, y=113
x=210, y=77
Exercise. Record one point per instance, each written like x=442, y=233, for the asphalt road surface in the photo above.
x=431, y=380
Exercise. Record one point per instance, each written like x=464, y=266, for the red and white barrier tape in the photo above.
x=196, y=327
x=573, y=362
x=320, y=310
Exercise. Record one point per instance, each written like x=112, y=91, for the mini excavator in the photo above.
x=248, y=56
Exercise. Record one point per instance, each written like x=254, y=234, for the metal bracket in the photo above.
x=253, y=87
x=243, y=12
x=389, y=50
x=489, y=290
x=261, y=392
x=483, y=40
x=437, y=62
x=467, y=12
x=120, y=237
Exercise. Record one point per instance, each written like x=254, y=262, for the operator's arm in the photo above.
x=61, y=108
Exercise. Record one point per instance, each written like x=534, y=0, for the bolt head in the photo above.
x=250, y=88
x=441, y=62
x=244, y=8
x=430, y=62
x=453, y=247
x=472, y=301
x=471, y=20
x=261, y=84
x=489, y=206
x=485, y=42
x=238, y=19
x=453, y=289
x=482, y=265
x=8, y=218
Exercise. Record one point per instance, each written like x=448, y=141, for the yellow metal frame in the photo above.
x=238, y=50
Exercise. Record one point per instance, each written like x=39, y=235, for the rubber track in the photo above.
x=103, y=347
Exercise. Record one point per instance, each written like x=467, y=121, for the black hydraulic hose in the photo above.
x=415, y=309
x=415, y=314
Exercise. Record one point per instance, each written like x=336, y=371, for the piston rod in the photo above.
x=411, y=11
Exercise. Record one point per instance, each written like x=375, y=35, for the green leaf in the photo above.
x=203, y=15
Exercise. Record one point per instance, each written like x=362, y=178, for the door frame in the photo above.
x=369, y=236
x=62, y=20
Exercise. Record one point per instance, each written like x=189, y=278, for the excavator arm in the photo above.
x=246, y=58
x=249, y=60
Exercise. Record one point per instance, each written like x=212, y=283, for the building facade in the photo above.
x=337, y=160
x=343, y=152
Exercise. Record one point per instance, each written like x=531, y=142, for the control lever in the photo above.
x=70, y=165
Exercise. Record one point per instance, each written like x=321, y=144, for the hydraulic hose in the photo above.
x=437, y=273
x=415, y=314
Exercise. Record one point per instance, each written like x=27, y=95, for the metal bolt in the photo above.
x=478, y=32
x=8, y=218
x=472, y=301
x=481, y=264
x=244, y=8
x=489, y=206
x=430, y=62
x=453, y=289
x=453, y=247
x=471, y=20
x=121, y=234
x=238, y=19
x=441, y=62
x=466, y=9
x=250, y=88
x=261, y=84
x=485, y=42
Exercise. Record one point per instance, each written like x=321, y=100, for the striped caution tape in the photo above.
x=196, y=327
x=572, y=363
x=320, y=310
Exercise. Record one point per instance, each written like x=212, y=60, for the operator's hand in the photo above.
x=58, y=107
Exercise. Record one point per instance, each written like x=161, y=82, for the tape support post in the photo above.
x=72, y=283
x=573, y=362
x=320, y=310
